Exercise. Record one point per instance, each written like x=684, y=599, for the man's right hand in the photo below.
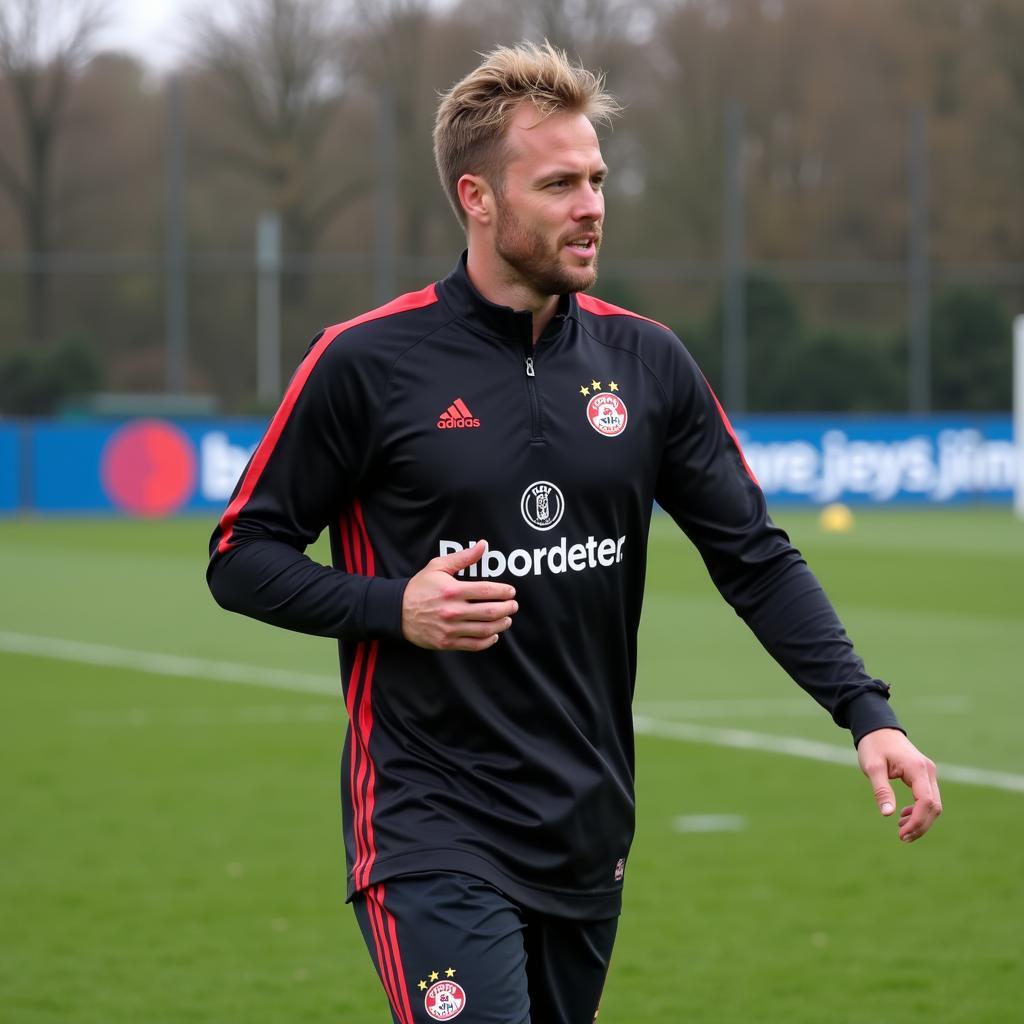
x=443, y=613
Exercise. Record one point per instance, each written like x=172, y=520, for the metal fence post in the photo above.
x=1018, y=412
x=734, y=311
x=919, y=354
x=268, y=307
x=384, y=276
x=175, y=270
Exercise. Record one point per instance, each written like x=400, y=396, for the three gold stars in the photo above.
x=433, y=976
x=595, y=386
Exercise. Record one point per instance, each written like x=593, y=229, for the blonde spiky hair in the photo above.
x=475, y=113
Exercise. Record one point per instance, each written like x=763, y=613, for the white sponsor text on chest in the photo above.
x=556, y=558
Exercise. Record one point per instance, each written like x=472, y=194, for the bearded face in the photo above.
x=543, y=230
x=543, y=259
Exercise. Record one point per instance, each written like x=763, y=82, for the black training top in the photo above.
x=414, y=430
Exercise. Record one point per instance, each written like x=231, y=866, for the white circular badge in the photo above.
x=542, y=505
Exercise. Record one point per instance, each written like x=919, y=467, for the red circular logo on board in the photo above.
x=607, y=414
x=445, y=1000
x=148, y=468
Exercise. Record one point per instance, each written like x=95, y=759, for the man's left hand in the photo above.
x=887, y=754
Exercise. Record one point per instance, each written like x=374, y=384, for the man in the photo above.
x=487, y=777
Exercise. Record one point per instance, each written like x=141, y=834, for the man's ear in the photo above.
x=477, y=198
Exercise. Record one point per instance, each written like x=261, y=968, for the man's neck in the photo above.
x=492, y=280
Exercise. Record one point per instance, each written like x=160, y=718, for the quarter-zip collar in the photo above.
x=500, y=322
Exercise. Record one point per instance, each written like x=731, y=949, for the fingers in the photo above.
x=473, y=591
x=466, y=644
x=878, y=775
x=475, y=636
x=923, y=781
x=442, y=613
x=479, y=611
x=469, y=636
x=478, y=630
x=459, y=560
x=484, y=591
x=874, y=763
x=887, y=754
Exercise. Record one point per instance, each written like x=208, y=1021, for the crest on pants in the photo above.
x=444, y=1000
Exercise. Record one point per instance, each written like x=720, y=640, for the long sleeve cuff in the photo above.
x=382, y=611
x=868, y=712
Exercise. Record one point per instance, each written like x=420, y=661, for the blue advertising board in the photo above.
x=926, y=460
x=158, y=467
x=10, y=468
x=148, y=467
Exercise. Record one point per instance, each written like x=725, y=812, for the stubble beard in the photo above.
x=528, y=253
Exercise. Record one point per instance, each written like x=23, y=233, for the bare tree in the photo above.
x=604, y=34
x=44, y=44
x=1006, y=20
x=389, y=47
x=277, y=69
x=591, y=27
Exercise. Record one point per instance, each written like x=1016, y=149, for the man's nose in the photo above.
x=590, y=204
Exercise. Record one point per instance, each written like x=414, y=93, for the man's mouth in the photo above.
x=584, y=246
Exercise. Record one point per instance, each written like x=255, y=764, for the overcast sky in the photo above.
x=151, y=29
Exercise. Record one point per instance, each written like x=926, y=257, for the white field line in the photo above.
x=307, y=682
x=783, y=707
x=710, y=823
x=330, y=710
x=168, y=664
x=742, y=739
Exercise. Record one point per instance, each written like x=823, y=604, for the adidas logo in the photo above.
x=457, y=417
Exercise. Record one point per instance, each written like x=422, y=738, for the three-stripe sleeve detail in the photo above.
x=357, y=553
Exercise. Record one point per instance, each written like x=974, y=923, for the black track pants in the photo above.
x=449, y=945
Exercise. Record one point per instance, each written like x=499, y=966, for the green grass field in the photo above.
x=171, y=840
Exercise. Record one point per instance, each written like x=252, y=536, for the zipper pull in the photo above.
x=529, y=367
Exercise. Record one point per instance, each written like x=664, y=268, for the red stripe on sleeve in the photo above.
x=364, y=729
x=356, y=753
x=359, y=558
x=404, y=303
x=357, y=545
x=371, y=567
x=363, y=720
x=346, y=543
x=732, y=434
